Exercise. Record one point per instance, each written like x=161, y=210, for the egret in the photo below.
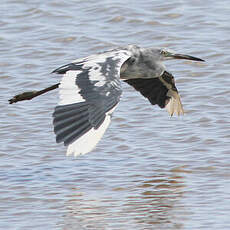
x=90, y=90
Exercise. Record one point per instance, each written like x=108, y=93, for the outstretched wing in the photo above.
x=89, y=91
x=161, y=91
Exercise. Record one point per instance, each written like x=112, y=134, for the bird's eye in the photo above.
x=163, y=52
x=132, y=60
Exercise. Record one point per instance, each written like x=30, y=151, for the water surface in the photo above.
x=150, y=171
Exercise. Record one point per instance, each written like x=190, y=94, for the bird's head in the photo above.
x=148, y=62
x=166, y=54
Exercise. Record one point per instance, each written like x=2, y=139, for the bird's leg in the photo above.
x=31, y=94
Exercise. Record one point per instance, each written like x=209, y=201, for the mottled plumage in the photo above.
x=91, y=88
x=89, y=91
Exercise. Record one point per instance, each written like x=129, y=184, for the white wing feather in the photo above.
x=70, y=92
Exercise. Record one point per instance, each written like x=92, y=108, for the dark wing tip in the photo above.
x=152, y=89
x=161, y=91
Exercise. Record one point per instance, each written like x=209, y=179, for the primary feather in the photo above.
x=90, y=90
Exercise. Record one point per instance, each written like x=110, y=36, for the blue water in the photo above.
x=150, y=171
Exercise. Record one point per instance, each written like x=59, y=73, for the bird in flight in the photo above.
x=90, y=90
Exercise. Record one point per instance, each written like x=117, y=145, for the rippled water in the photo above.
x=150, y=171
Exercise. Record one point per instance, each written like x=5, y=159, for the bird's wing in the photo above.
x=161, y=91
x=89, y=91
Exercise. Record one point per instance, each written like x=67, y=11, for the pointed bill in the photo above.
x=187, y=57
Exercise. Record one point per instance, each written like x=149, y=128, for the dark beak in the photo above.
x=188, y=57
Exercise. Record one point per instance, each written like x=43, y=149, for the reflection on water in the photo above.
x=152, y=202
x=150, y=171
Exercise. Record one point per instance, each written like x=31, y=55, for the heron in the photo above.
x=90, y=90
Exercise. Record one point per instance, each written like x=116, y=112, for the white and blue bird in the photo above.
x=91, y=89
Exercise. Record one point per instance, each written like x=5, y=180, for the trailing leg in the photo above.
x=31, y=94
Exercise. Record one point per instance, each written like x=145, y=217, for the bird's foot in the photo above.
x=23, y=96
